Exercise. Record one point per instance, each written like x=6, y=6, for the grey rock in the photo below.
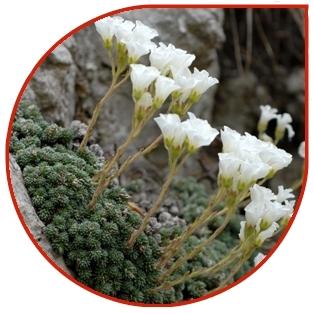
x=97, y=150
x=164, y=216
x=174, y=210
x=79, y=129
x=53, y=87
x=243, y=93
x=35, y=225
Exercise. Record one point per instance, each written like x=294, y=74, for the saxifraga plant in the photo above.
x=93, y=243
x=89, y=220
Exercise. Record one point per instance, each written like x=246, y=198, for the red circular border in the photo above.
x=42, y=59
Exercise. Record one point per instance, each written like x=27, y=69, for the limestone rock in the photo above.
x=53, y=87
x=26, y=208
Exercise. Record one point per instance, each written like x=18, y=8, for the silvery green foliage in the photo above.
x=58, y=179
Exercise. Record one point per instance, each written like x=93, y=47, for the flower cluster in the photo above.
x=133, y=38
x=264, y=212
x=283, y=123
x=148, y=78
x=192, y=87
x=246, y=159
x=175, y=63
x=168, y=73
x=186, y=136
x=152, y=85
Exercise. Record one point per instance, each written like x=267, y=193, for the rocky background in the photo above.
x=258, y=56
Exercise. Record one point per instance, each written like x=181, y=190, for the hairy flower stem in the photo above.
x=177, y=243
x=141, y=152
x=113, y=87
x=131, y=159
x=107, y=167
x=227, y=260
x=173, y=170
x=179, y=262
x=235, y=269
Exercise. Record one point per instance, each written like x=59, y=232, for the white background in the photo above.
x=29, y=284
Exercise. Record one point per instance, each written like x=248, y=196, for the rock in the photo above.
x=163, y=217
x=53, y=87
x=77, y=74
x=79, y=129
x=31, y=219
x=243, y=93
x=97, y=150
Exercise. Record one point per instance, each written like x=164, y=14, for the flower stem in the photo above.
x=114, y=85
x=130, y=160
x=227, y=260
x=196, y=250
x=102, y=184
x=234, y=270
x=142, y=152
x=173, y=170
x=138, y=154
x=95, y=116
x=177, y=243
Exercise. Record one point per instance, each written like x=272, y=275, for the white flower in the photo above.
x=284, y=123
x=171, y=129
x=136, y=38
x=146, y=101
x=199, y=132
x=275, y=157
x=261, y=194
x=108, y=26
x=194, y=84
x=137, y=49
x=274, y=212
x=264, y=211
x=124, y=31
x=203, y=81
x=143, y=33
x=240, y=171
x=266, y=152
x=266, y=234
x=258, y=258
x=160, y=57
x=230, y=140
x=164, y=86
x=261, y=198
x=266, y=207
x=180, y=59
x=163, y=57
x=284, y=194
x=186, y=82
x=261, y=236
x=142, y=76
x=267, y=113
x=301, y=150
